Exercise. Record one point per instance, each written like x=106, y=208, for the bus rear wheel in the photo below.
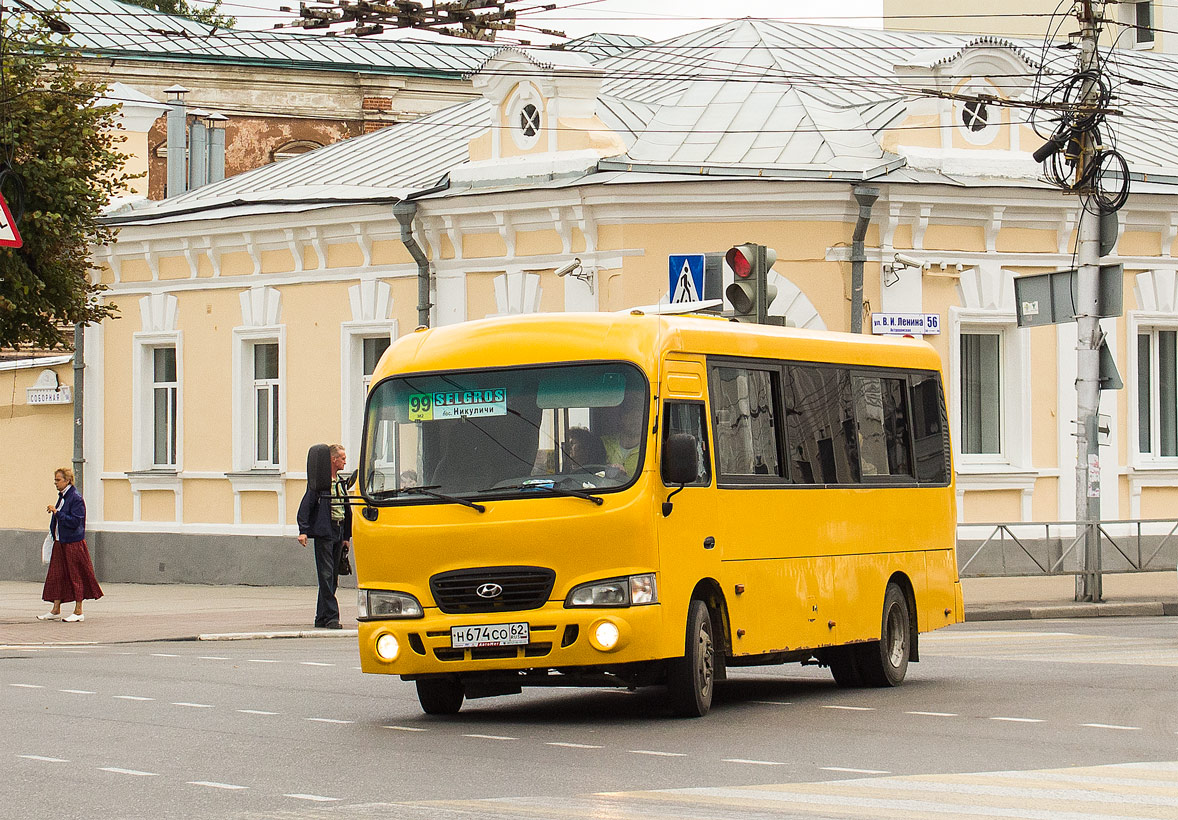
x=885, y=662
x=440, y=696
x=691, y=679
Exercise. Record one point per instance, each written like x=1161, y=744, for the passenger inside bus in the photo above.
x=582, y=448
x=622, y=446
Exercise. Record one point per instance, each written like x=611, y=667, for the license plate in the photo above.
x=467, y=637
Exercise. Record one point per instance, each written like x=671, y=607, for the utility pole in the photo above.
x=1088, y=585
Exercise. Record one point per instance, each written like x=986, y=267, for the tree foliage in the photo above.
x=59, y=147
x=181, y=8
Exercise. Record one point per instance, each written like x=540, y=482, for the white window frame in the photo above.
x=245, y=413
x=525, y=94
x=1014, y=422
x=1138, y=42
x=353, y=385
x=142, y=400
x=1142, y=322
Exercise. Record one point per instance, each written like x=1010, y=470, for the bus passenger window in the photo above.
x=882, y=421
x=820, y=426
x=928, y=423
x=688, y=417
x=746, y=435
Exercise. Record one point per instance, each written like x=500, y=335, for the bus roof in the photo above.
x=540, y=338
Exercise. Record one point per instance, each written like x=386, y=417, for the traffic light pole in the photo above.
x=1088, y=585
x=761, y=281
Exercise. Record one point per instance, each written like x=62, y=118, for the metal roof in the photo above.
x=113, y=29
x=744, y=99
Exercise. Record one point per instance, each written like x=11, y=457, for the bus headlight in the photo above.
x=387, y=647
x=373, y=604
x=633, y=590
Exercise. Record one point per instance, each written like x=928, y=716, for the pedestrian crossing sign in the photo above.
x=686, y=274
x=9, y=235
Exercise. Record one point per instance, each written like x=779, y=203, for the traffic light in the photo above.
x=750, y=293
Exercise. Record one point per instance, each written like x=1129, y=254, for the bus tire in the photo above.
x=440, y=696
x=844, y=667
x=885, y=662
x=691, y=679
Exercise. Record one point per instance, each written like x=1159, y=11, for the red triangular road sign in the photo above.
x=9, y=235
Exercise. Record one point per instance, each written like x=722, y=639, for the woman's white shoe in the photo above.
x=50, y=616
x=74, y=618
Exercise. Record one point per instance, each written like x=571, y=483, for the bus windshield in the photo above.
x=504, y=432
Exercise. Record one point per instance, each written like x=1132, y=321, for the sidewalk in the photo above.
x=157, y=612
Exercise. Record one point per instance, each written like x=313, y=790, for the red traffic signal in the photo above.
x=741, y=259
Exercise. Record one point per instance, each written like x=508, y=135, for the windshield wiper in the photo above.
x=449, y=499
x=549, y=487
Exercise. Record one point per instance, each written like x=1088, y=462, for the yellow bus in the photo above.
x=631, y=499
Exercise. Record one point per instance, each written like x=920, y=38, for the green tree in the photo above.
x=181, y=8
x=60, y=160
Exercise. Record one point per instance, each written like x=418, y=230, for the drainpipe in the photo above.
x=79, y=405
x=405, y=211
x=865, y=195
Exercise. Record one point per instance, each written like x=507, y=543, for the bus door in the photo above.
x=687, y=535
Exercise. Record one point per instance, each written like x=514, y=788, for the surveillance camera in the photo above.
x=908, y=261
x=566, y=269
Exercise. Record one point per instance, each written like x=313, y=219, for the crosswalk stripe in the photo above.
x=1133, y=791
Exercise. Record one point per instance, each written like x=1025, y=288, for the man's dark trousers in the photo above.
x=327, y=557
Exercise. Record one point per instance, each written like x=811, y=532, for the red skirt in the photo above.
x=71, y=574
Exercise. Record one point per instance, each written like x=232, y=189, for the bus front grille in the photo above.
x=492, y=589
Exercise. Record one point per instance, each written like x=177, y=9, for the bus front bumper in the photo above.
x=557, y=637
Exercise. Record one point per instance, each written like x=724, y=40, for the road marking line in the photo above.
x=134, y=772
x=752, y=762
x=656, y=754
x=851, y=708
x=1017, y=720
x=213, y=658
x=27, y=685
x=130, y=697
x=492, y=737
x=775, y=702
x=76, y=691
x=256, y=712
x=573, y=745
x=933, y=714
x=329, y=720
x=44, y=759
x=405, y=728
x=266, y=660
x=1111, y=726
x=316, y=797
x=193, y=705
x=314, y=663
x=163, y=655
x=852, y=771
x=213, y=785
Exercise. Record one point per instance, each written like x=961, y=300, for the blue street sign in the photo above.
x=686, y=274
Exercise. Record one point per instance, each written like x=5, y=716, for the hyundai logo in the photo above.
x=489, y=591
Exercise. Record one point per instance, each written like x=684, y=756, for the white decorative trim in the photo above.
x=150, y=480
x=975, y=479
x=260, y=481
x=157, y=313
x=242, y=394
x=792, y=303
x=261, y=307
x=921, y=225
x=517, y=292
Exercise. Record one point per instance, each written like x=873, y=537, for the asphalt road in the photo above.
x=987, y=723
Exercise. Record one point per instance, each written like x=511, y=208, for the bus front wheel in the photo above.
x=691, y=679
x=885, y=662
x=440, y=696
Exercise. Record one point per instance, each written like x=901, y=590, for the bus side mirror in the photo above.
x=680, y=459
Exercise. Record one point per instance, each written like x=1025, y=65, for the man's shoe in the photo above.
x=50, y=616
x=74, y=618
x=334, y=625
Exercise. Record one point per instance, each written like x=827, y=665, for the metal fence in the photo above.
x=1022, y=549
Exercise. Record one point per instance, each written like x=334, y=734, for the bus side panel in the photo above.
x=774, y=610
x=939, y=605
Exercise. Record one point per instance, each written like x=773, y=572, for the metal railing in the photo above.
x=1025, y=548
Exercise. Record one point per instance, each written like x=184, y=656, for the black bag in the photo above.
x=345, y=566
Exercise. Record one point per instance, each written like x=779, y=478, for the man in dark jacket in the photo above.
x=325, y=517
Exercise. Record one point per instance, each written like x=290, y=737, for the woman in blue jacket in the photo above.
x=71, y=574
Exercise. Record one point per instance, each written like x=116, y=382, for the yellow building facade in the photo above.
x=253, y=311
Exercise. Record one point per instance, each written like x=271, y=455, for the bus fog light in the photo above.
x=609, y=635
x=387, y=647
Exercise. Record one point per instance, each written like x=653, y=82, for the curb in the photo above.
x=249, y=636
x=1148, y=608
